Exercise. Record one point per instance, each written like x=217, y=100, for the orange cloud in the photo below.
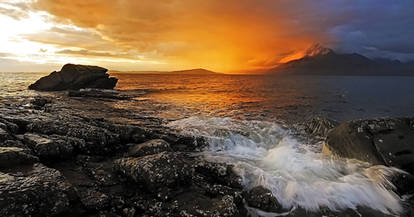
x=215, y=34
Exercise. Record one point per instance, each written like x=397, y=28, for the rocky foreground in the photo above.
x=59, y=156
x=76, y=154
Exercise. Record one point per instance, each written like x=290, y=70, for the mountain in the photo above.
x=324, y=61
x=180, y=72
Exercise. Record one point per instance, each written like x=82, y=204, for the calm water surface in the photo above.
x=273, y=98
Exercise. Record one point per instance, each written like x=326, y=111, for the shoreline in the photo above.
x=96, y=166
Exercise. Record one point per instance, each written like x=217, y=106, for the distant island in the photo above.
x=319, y=60
x=198, y=71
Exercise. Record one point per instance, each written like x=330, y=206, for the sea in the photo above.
x=248, y=122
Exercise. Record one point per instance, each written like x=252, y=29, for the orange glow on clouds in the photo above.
x=218, y=35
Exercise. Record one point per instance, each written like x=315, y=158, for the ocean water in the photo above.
x=273, y=98
x=246, y=120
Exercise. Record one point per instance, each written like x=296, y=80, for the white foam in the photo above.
x=265, y=154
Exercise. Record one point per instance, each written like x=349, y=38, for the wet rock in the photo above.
x=49, y=147
x=93, y=139
x=99, y=170
x=8, y=126
x=180, y=142
x=74, y=77
x=40, y=102
x=192, y=204
x=220, y=173
x=97, y=93
x=105, y=214
x=13, y=143
x=154, y=146
x=262, y=198
x=157, y=171
x=386, y=141
x=325, y=212
x=4, y=135
x=17, y=123
x=404, y=183
x=129, y=212
x=39, y=192
x=93, y=199
x=320, y=126
x=13, y=156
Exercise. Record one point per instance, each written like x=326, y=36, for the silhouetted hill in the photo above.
x=180, y=72
x=325, y=61
x=193, y=72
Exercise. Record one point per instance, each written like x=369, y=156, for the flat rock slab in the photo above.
x=49, y=147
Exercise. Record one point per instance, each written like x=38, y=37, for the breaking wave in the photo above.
x=265, y=154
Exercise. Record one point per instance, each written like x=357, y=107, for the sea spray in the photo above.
x=265, y=154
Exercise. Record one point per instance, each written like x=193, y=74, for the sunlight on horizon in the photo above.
x=35, y=35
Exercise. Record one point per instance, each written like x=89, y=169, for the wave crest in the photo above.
x=265, y=154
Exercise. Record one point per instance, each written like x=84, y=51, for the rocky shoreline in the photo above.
x=57, y=162
x=71, y=154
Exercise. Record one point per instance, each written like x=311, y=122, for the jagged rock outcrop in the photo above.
x=387, y=141
x=75, y=77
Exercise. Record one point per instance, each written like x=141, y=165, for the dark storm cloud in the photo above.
x=377, y=28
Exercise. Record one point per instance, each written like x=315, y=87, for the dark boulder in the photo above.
x=387, y=141
x=217, y=173
x=75, y=77
x=39, y=192
x=158, y=171
x=154, y=146
x=262, y=198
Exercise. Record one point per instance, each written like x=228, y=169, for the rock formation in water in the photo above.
x=75, y=77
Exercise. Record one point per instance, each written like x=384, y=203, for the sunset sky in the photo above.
x=224, y=36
